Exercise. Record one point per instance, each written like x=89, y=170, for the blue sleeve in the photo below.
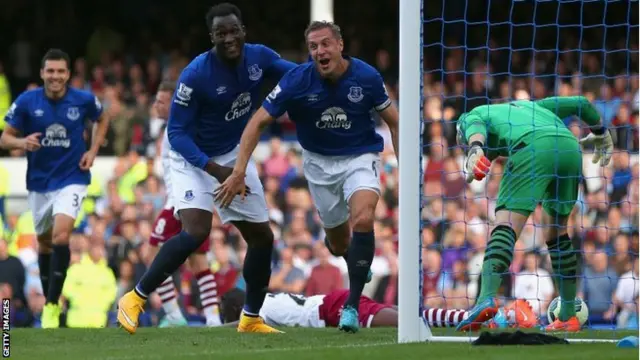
x=94, y=108
x=183, y=115
x=276, y=101
x=277, y=65
x=17, y=114
x=379, y=93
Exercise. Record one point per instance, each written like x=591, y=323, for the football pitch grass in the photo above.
x=297, y=343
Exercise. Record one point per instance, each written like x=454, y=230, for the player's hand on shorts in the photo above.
x=86, y=162
x=603, y=147
x=477, y=165
x=232, y=186
x=32, y=142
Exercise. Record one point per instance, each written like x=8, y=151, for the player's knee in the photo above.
x=199, y=232
x=256, y=234
x=61, y=237
x=363, y=219
x=45, y=245
x=336, y=248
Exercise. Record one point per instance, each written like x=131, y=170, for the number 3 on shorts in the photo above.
x=77, y=200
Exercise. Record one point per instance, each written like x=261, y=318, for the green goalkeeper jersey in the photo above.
x=507, y=125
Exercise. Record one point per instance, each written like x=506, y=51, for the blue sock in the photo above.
x=171, y=255
x=256, y=272
x=44, y=264
x=361, y=251
x=59, y=264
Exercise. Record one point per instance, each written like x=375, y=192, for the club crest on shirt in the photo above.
x=355, y=94
x=73, y=113
x=255, y=73
x=188, y=195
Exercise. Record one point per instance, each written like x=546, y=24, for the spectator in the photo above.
x=534, y=284
x=286, y=277
x=324, y=277
x=12, y=273
x=90, y=290
x=624, y=303
x=598, y=284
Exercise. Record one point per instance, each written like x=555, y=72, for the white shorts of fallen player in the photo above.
x=45, y=206
x=192, y=188
x=293, y=310
x=334, y=179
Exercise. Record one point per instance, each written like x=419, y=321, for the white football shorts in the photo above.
x=333, y=179
x=45, y=206
x=192, y=188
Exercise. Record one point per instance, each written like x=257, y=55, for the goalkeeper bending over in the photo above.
x=544, y=166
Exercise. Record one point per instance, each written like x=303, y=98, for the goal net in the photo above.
x=456, y=55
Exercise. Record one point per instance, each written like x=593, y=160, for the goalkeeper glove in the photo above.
x=603, y=147
x=477, y=165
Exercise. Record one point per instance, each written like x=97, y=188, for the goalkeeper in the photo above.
x=544, y=166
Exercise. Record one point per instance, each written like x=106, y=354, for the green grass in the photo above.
x=297, y=343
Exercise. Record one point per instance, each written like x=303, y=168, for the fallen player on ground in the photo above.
x=319, y=311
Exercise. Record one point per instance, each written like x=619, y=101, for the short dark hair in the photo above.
x=56, y=54
x=319, y=25
x=168, y=86
x=223, y=9
x=231, y=305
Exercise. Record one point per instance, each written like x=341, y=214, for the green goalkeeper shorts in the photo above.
x=543, y=169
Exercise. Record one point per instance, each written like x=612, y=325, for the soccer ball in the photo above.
x=582, y=311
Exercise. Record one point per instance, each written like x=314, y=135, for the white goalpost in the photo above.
x=411, y=328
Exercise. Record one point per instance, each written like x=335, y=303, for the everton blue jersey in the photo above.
x=213, y=102
x=332, y=119
x=62, y=123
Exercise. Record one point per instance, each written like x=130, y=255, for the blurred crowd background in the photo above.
x=122, y=53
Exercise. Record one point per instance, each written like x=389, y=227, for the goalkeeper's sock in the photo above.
x=497, y=259
x=564, y=262
x=44, y=264
x=169, y=258
x=361, y=251
x=59, y=264
x=256, y=272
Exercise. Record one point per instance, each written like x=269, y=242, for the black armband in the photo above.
x=598, y=130
x=477, y=143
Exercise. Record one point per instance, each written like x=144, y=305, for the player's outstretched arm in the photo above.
x=234, y=184
x=391, y=118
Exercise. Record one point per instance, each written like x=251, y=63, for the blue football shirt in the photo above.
x=62, y=123
x=213, y=102
x=332, y=119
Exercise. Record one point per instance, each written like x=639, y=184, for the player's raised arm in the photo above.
x=11, y=136
x=565, y=106
x=600, y=138
x=99, y=132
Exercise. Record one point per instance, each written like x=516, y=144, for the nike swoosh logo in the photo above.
x=526, y=318
x=127, y=318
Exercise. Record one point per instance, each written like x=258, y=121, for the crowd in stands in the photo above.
x=112, y=236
